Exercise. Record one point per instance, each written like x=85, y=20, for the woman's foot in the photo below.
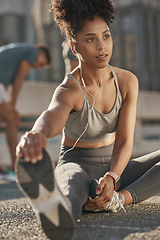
x=114, y=205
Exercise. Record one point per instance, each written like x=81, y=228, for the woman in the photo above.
x=95, y=107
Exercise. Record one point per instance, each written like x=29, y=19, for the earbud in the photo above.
x=74, y=48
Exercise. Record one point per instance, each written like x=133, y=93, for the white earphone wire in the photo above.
x=94, y=99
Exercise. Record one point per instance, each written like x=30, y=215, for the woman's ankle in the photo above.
x=127, y=197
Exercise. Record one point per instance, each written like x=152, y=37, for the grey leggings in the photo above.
x=79, y=166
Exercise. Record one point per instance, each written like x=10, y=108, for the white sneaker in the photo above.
x=37, y=181
x=114, y=205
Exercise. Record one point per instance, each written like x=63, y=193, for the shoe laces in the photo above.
x=115, y=203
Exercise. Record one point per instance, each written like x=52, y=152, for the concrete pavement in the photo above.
x=18, y=220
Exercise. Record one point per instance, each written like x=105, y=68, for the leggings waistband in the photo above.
x=86, y=152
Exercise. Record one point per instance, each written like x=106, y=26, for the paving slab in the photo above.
x=18, y=220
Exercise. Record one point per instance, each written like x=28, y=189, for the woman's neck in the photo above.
x=92, y=75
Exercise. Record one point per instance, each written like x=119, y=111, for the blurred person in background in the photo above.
x=16, y=59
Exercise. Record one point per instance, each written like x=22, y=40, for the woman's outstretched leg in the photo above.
x=141, y=178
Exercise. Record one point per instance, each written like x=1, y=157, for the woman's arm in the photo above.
x=125, y=130
x=49, y=124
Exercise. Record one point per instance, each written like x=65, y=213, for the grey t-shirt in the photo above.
x=11, y=56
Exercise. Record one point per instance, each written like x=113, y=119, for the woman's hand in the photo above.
x=105, y=188
x=30, y=146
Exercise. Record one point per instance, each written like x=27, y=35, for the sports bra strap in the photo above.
x=114, y=75
x=71, y=76
x=115, y=78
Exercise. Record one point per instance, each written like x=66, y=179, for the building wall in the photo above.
x=16, y=22
x=137, y=40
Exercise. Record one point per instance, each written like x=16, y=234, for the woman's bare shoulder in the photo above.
x=124, y=75
x=69, y=92
x=127, y=80
x=69, y=83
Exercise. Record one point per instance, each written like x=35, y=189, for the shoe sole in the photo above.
x=37, y=182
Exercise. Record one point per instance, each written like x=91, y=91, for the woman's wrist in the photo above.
x=114, y=176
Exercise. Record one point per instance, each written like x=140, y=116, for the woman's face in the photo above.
x=94, y=43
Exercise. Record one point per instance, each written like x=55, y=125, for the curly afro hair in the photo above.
x=70, y=15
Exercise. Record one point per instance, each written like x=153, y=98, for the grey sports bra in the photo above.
x=89, y=123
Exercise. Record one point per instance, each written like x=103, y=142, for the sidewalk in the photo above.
x=18, y=220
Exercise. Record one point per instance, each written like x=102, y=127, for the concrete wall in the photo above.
x=35, y=97
x=147, y=130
